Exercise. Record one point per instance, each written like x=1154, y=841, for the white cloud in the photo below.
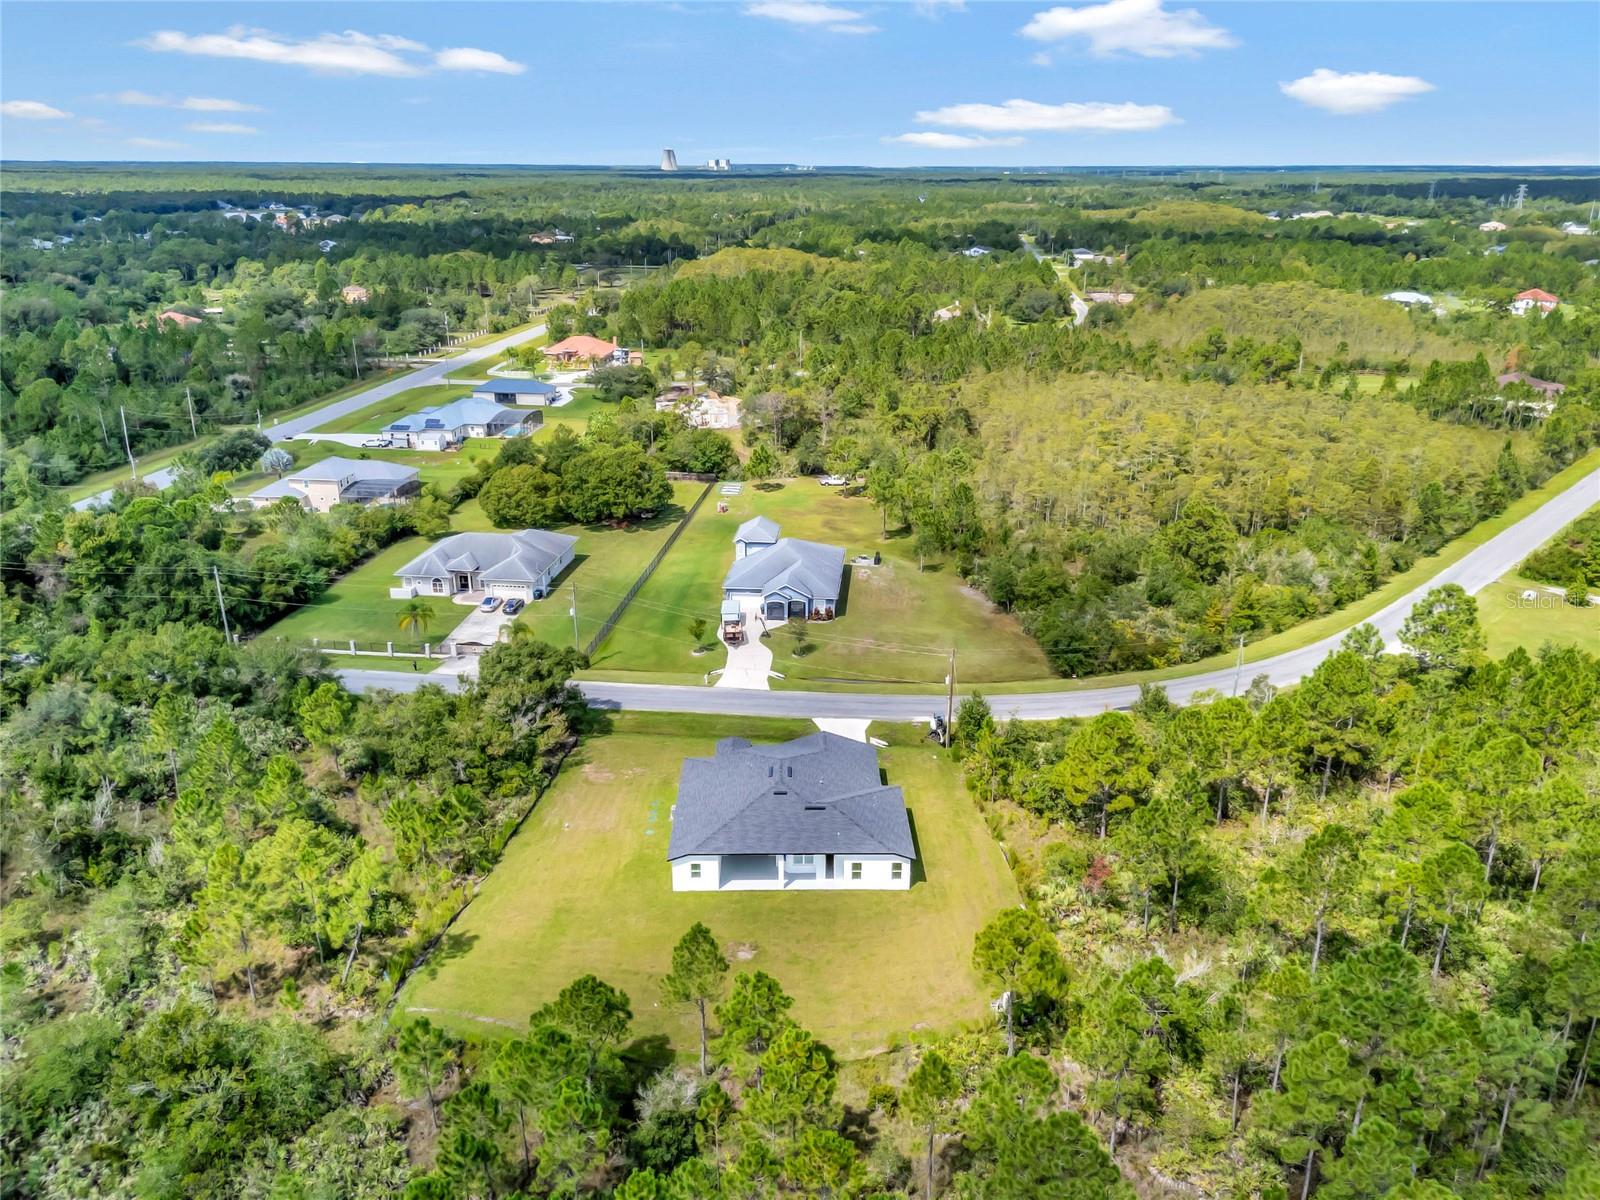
x=812, y=15
x=32, y=110
x=148, y=143
x=934, y=9
x=1141, y=27
x=347, y=53
x=137, y=99
x=1348, y=92
x=1024, y=116
x=465, y=58
x=934, y=140
x=220, y=127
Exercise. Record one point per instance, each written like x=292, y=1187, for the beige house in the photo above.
x=341, y=481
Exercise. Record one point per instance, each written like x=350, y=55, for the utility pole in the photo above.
x=950, y=699
x=227, y=634
x=133, y=467
x=1238, y=667
x=189, y=398
x=258, y=420
x=573, y=610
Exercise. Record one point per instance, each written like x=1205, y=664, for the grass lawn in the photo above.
x=375, y=416
x=1509, y=621
x=358, y=606
x=897, y=624
x=606, y=563
x=584, y=887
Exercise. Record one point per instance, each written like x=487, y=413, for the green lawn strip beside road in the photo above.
x=897, y=623
x=375, y=416
x=1510, y=620
x=100, y=480
x=585, y=887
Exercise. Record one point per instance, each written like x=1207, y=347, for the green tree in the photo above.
x=1321, y=1088
x=1019, y=953
x=763, y=462
x=415, y=617
x=752, y=1016
x=699, y=972
x=1443, y=631
x=1311, y=887
x=593, y=1013
x=1106, y=764
x=424, y=1056
x=1166, y=839
x=522, y=497
x=929, y=1099
x=795, y=1082
x=1376, y=1158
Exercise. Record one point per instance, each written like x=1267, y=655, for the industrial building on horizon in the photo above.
x=669, y=160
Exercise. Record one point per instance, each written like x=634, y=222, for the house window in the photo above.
x=694, y=870
x=438, y=587
x=855, y=870
x=895, y=870
x=803, y=860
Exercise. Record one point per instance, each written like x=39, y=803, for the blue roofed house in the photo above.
x=782, y=577
x=517, y=391
x=812, y=813
x=451, y=424
x=520, y=565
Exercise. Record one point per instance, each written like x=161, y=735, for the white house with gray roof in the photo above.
x=446, y=425
x=520, y=565
x=340, y=481
x=813, y=813
x=785, y=577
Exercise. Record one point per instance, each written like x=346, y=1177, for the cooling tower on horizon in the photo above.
x=669, y=160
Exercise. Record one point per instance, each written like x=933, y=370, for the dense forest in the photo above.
x=1338, y=940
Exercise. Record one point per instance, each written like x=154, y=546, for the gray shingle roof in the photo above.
x=814, y=569
x=364, y=469
x=757, y=529
x=819, y=794
x=523, y=556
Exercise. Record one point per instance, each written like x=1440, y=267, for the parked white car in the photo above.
x=833, y=481
x=375, y=443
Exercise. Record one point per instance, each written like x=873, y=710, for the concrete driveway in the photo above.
x=482, y=628
x=750, y=663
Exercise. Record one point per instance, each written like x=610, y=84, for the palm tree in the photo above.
x=415, y=617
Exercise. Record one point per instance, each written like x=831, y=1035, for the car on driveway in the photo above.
x=490, y=603
x=375, y=443
x=514, y=606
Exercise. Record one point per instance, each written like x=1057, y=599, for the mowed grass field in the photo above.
x=358, y=606
x=441, y=467
x=1509, y=621
x=897, y=623
x=585, y=887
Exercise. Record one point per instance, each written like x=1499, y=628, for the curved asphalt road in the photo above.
x=310, y=421
x=1474, y=571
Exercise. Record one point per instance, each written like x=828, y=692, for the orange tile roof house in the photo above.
x=172, y=316
x=580, y=346
x=1522, y=302
x=354, y=293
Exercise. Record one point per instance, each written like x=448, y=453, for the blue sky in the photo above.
x=938, y=82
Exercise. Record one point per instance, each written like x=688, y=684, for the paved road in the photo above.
x=1474, y=571
x=295, y=426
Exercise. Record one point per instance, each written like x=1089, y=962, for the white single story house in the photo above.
x=341, y=481
x=450, y=424
x=517, y=391
x=1534, y=298
x=810, y=814
x=790, y=577
x=520, y=565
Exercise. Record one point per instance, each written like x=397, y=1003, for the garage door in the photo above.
x=508, y=590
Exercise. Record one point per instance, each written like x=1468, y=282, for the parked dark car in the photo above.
x=514, y=606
